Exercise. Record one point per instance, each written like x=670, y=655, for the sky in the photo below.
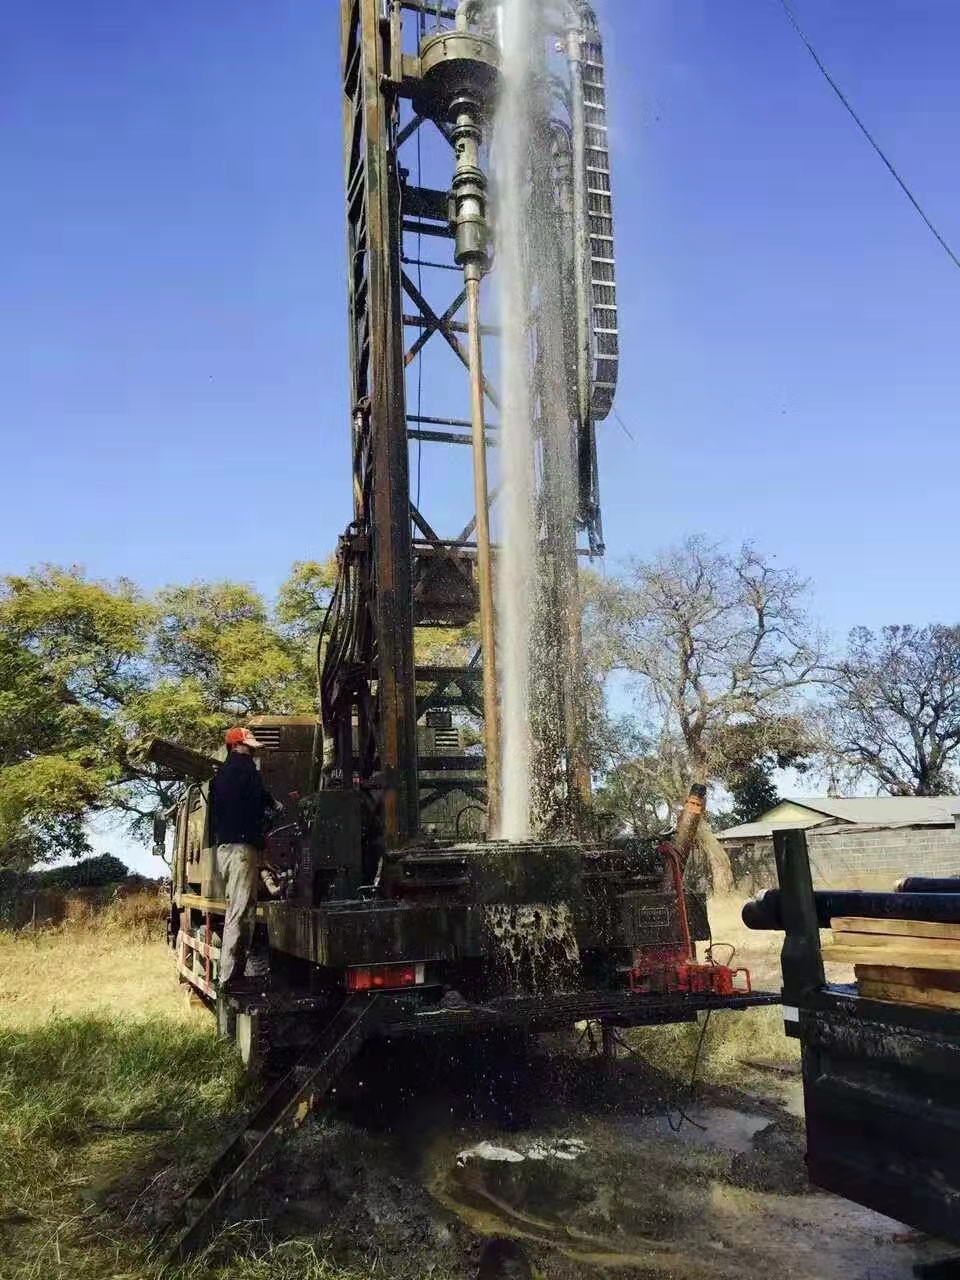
x=173, y=368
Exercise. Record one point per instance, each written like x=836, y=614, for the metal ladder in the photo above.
x=281, y=1111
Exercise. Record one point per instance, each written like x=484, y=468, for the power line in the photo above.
x=866, y=132
x=623, y=426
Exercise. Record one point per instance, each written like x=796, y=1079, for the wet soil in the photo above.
x=429, y=1151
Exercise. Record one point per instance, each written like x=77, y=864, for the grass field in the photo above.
x=72, y=971
x=114, y=1091
x=104, y=1071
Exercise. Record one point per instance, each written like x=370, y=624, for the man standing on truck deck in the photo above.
x=240, y=805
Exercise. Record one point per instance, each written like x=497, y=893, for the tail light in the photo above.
x=385, y=977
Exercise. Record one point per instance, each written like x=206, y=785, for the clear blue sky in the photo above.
x=173, y=382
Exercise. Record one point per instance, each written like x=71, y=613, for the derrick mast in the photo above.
x=421, y=83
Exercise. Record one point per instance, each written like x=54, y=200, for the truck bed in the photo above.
x=881, y=1079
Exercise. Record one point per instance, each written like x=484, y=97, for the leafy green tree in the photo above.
x=752, y=752
x=90, y=873
x=71, y=656
x=217, y=656
x=90, y=670
x=222, y=641
x=304, y=597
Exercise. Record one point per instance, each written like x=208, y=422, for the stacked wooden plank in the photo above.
x=906, y=961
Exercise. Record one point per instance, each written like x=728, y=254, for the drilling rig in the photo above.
x=383, y=900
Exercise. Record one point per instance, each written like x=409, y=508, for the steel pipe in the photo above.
x=491, y=708
x=929, y=884
x=765, y=911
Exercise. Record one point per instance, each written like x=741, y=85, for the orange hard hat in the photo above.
x=239, y=736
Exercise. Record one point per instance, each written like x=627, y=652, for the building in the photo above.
x=868, y=842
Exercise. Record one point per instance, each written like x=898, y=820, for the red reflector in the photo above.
x=384, y=977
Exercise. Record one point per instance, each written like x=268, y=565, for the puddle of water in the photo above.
x=636, y=1196
x=791, y=1097
x=719, y=1127
x=487, y=1151
x=538, y=1149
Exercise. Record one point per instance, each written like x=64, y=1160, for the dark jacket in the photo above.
x=239, y=802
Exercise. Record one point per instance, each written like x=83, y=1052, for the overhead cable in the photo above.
x=866, y=132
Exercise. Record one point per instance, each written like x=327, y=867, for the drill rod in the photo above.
x=491, y=717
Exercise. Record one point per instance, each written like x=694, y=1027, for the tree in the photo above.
x=216, y=655
x=89, y=670
x=712, y=640
x=71, y=656
x=636, y=778
x=752, y=752
x=221, y=639
x=894, y=709
x=305, y=596
x=91, y=873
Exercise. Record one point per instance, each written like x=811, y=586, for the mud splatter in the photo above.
x=535, y=947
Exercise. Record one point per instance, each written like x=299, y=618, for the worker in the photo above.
x=240, y=805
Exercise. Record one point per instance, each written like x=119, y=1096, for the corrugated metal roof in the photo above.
x=874, y=811
x=747, y=831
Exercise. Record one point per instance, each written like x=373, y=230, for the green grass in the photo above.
x=99, y=1117
x=288, y=1260
x=87, y=1101
x=58, y=1077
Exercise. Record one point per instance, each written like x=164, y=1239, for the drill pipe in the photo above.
x=491, y=711
x=469, y=195
x=686, y=833
x=765, y=911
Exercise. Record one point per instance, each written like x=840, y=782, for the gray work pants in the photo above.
x=237, y=864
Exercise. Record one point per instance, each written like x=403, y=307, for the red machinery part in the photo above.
x=659, y=971
x=676, y=968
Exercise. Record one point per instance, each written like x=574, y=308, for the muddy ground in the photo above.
x=427, y=1151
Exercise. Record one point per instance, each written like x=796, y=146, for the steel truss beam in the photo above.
x=381, y=465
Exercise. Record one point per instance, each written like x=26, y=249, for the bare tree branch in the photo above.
x=894, y=708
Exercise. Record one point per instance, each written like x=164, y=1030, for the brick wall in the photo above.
x=856, y=857
x=878, y=857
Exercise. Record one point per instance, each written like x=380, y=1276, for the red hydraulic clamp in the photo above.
x=662, y=970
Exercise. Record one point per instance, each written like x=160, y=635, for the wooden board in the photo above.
x=897, y=928
x=919, y=945
x=215, y=906
x=903, y=993
x=898, y=953
x=941, y=979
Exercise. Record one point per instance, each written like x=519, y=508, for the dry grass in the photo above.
x=732, y=1041
x=259, y=1260
x=92, y=965
x=736, y=1047
x=757, y=950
